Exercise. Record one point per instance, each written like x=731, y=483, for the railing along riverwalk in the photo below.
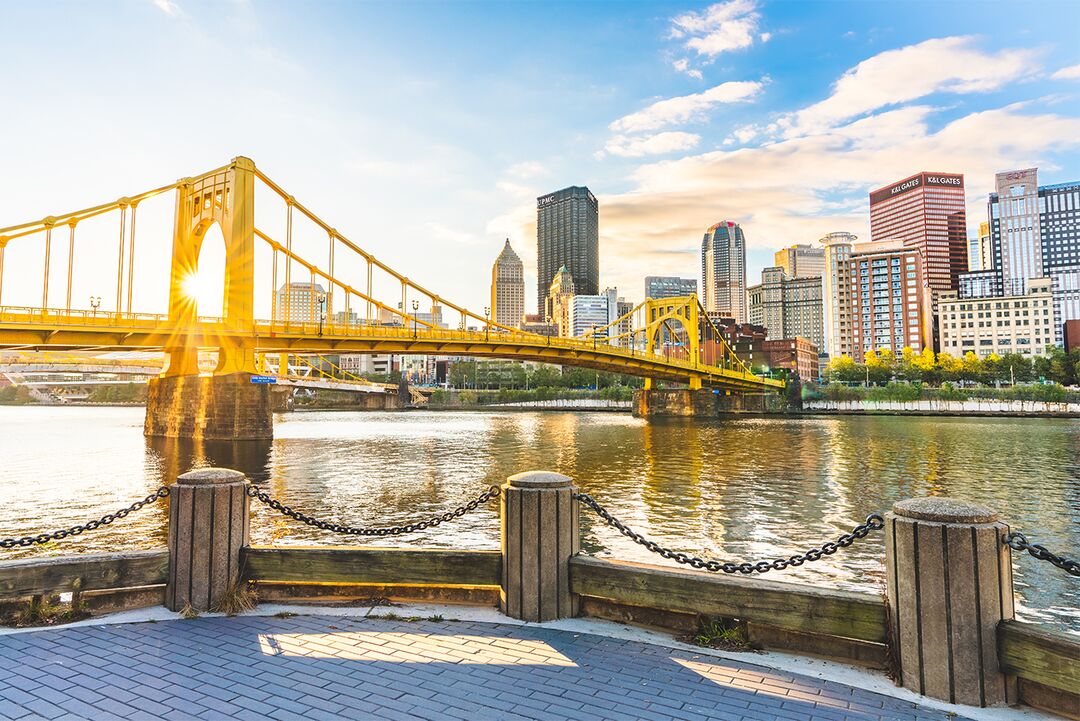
x=945, y=627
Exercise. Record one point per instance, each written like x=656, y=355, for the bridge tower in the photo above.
x=661, y=314
x=226, y=405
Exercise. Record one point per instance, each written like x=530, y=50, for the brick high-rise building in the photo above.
x=927, y=213
x=723, y=271
x=567, y=235
x=508, y=288
x=890, y=299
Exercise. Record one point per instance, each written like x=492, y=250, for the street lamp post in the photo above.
x=95, y=303
x=415, y=308
x=321, y=298
x=487, y=323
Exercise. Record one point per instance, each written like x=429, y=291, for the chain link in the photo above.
x=105, y=520
x=874, y=522
x=492, y=492
x=1018, y=542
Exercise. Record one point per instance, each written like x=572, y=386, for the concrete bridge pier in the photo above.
x=225, y=407
x=695, y=403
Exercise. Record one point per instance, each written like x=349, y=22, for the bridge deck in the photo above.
x=26, y=328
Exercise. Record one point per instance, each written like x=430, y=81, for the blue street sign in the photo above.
x=263, y=379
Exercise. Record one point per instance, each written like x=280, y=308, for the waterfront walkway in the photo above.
x=334, y=667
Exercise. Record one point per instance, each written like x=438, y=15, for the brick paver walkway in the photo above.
x=322, y=667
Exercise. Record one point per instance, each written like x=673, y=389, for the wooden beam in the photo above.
x=360, y=564
x=785, y=605
x=41, y=576
x=1036, y=653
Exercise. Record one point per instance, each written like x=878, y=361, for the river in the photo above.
x=732, y=489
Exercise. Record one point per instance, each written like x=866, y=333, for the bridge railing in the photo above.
x=270, y=328
x=945, y=627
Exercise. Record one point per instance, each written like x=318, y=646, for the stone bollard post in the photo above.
x=949, y=581
x=539, y=535
x=208, y=525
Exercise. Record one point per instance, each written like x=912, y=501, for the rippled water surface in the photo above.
x=745, y=489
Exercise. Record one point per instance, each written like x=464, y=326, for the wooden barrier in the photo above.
x=372, y=565
x=107, y=571
x=852, y=621
x=1046, y=663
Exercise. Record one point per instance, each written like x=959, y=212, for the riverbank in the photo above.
x=975, y=408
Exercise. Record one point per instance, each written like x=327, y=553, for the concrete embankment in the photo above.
x=971, y=407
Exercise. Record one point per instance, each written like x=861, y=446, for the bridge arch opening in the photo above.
x=672, y=328
x=205, y=283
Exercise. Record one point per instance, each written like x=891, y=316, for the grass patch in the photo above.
x=723, y=633
x=188, y=612
x=238, y=598
x=46, y=611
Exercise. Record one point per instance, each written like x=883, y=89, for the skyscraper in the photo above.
x=1033, y=229
x=663, y=286
x=1015, y=229
x=723, y=271
x=557, y=303
x=984, y=258
x=836, y=293
x=508, y=288
x=302, y=303
x=788, y=307
x=801, y=261
x=567, y=234
x=927, y=213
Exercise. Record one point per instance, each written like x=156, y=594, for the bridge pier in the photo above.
x=222, y=407
x=698, y=403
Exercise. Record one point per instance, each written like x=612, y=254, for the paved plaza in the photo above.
x=333, y=667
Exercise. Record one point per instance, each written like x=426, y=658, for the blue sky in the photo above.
x=425, y=131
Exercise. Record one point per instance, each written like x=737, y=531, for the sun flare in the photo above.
x=201, y=290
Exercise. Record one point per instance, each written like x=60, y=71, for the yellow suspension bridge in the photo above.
x=375, y=299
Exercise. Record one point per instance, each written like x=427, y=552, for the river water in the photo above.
x=732, y=490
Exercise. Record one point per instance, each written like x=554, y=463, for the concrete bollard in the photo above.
x=208, y=525
x=949, y=581
x=539, y=535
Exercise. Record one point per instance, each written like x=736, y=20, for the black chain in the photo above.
x=874, y=522
x=105, y=520
x=492, y=492
x=1018, y=542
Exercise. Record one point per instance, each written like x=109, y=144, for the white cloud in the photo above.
x=686, y=108
x=168, y=7
x=526, y=169
x=743, y=134
x=719, y=28
x=905, y=74
x=658, y=144
x=683, y=66
x=1070, y=73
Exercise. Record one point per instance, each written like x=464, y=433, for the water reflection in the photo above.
x=732, y=490
x=172, y=457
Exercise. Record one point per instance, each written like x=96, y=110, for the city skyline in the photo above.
x=794, y=150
